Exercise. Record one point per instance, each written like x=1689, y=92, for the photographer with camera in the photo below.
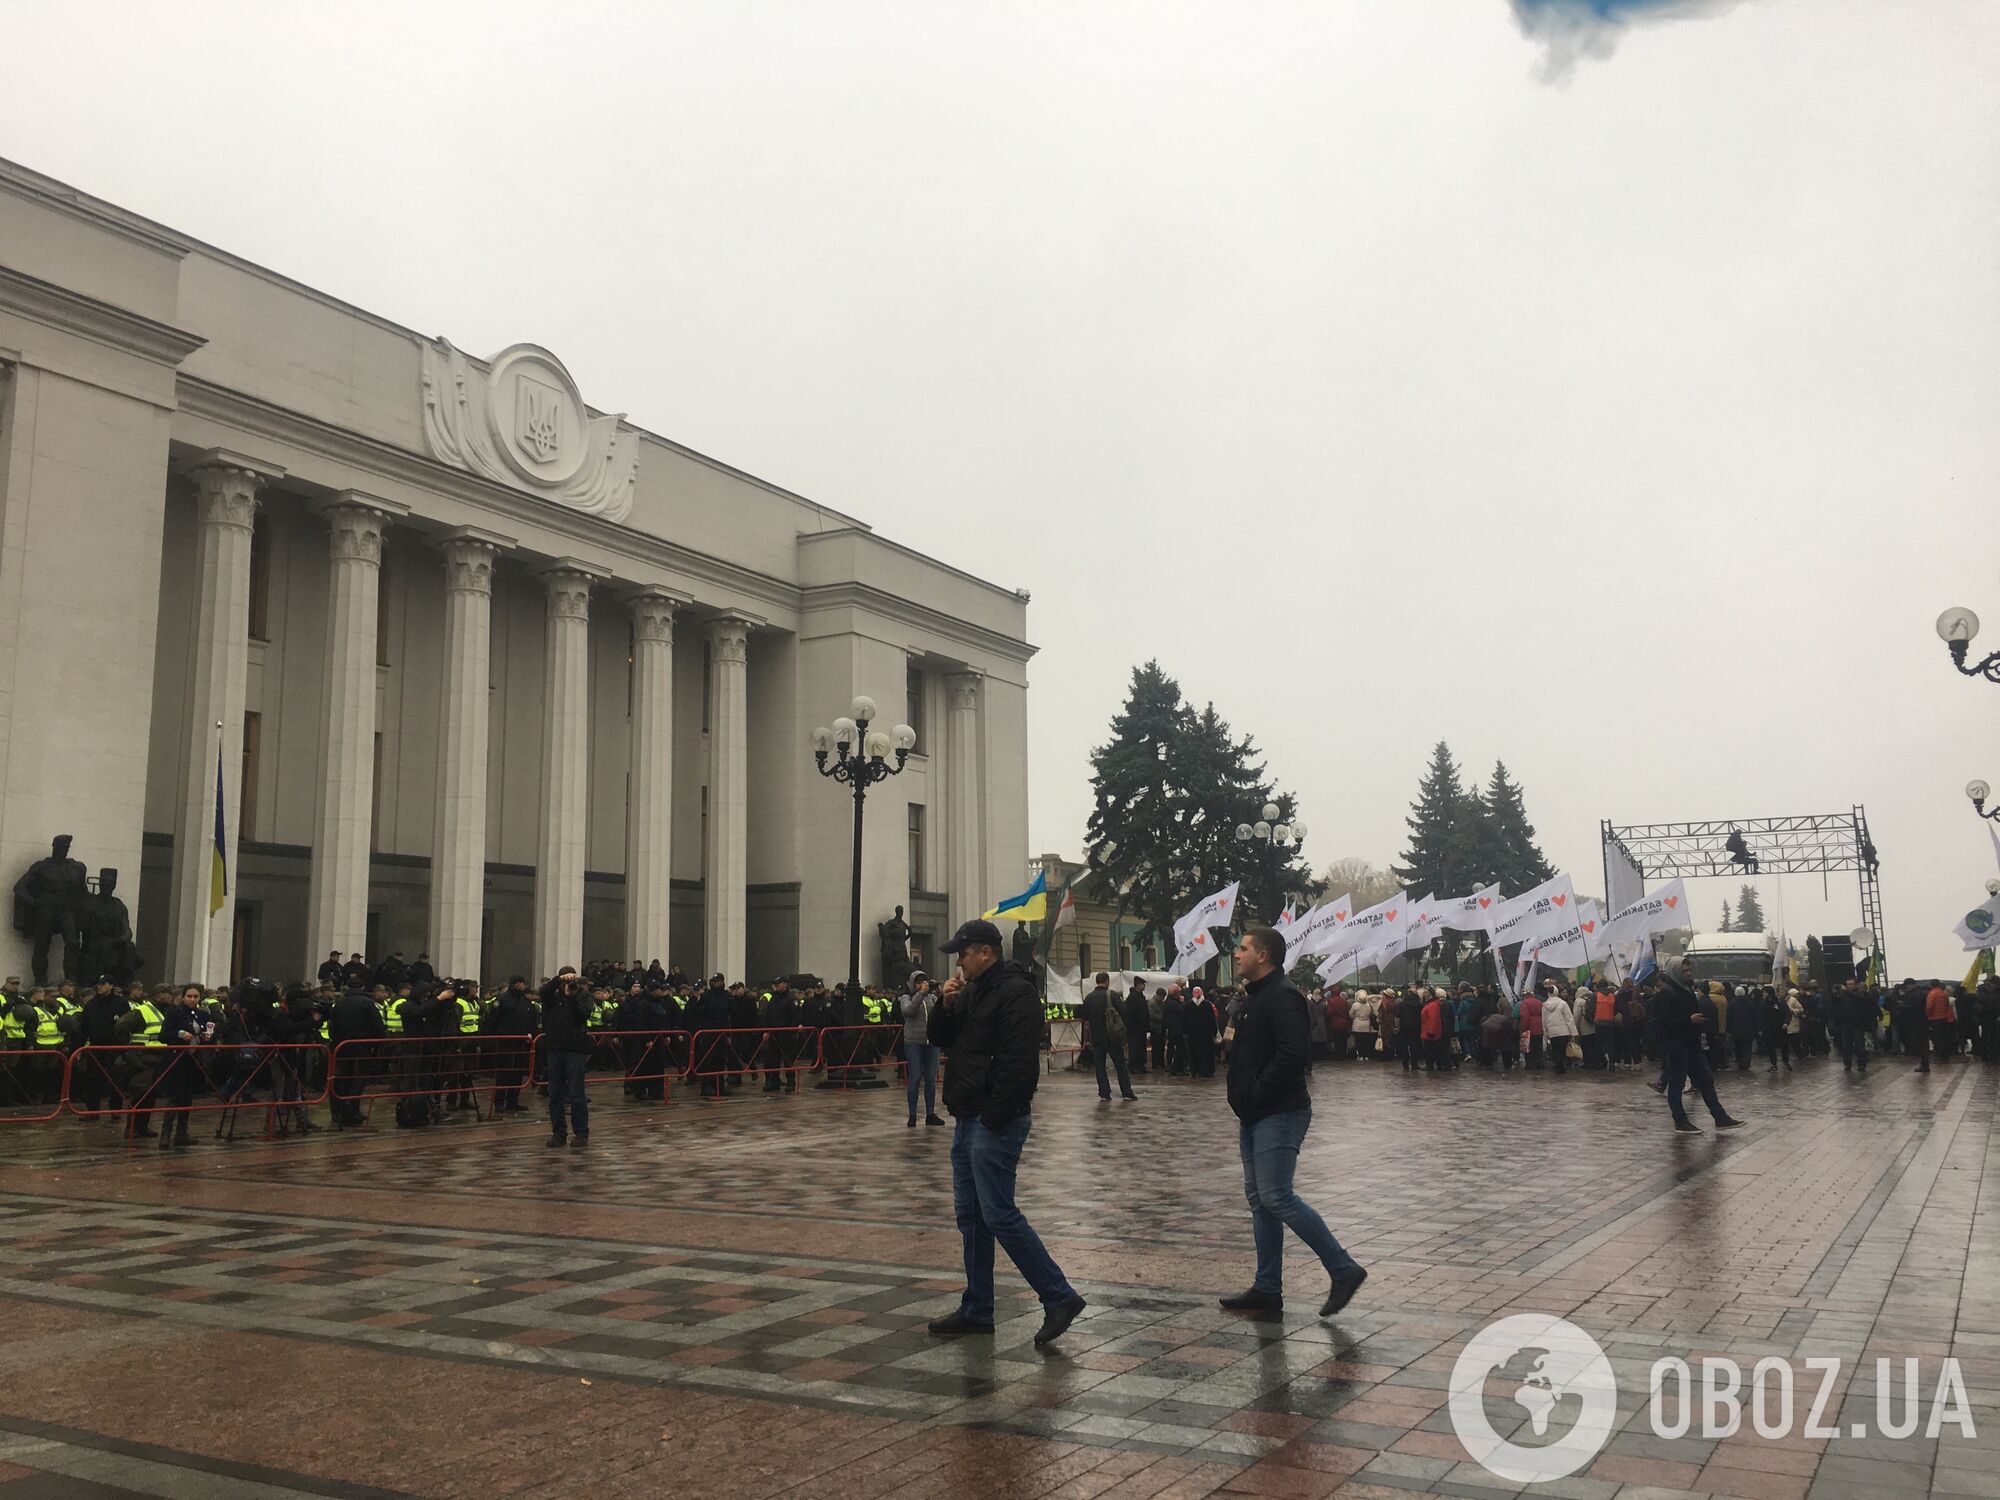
x=566, y=1043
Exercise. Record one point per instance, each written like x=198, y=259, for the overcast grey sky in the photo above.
x=1632, y=428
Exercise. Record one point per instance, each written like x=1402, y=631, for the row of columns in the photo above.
x=226, y=493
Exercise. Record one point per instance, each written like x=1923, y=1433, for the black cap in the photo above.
x=978, y=930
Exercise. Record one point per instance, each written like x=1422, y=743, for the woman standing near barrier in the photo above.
x=918, y=1049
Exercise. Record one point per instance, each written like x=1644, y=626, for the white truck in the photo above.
x=1733, y=957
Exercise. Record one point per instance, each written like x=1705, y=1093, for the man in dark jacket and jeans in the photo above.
x=989, y=1019
x=1267, y=1089
x=566, y=1042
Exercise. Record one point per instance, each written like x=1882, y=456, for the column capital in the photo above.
x=356, y=524
x=653, y=611
x=962, y=688
x=469, y=553
x=226, y=486
x=729, y=637
x=568, y=582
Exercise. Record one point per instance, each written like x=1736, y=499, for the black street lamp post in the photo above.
x=861, y=758
x=1274, y=836
x=1956, y=627
x=1979, y=791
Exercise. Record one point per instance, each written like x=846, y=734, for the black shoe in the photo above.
x=1657, y=1087
x=911, y=1123
x=144, y=1133
x=1056, y=1320
x=1130, y=1098
x=1687, y=1127
x=556, y=1143
x=577, y=1143
x=933, y=1120
x=1103, y=1098
x=955, y=1327
x=1726, y=1123
x=1253, y=1301
x=1342, y=1291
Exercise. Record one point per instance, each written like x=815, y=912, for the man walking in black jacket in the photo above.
x=989, y=1019
x=1685, y=1025
x=1267, y=1090
x=1106, y=1042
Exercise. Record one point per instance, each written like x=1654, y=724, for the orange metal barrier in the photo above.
x=134, y=1080
x=25, y=1076
x=776, y=1052
x=1066, y=1039
x=649, y=1060
x=851, y=1054
x=443, y=1069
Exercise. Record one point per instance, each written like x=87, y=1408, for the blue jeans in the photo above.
x=982, y=1199
x=1270, y=1150
x=566, y=1079
x=922, y=1066
x=1853, y=1042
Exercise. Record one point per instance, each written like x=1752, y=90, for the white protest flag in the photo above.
x=1340, y=966
x=1364, y=929
x=1287, y=925
x=1065, y=987
x=1992, y=832
x=1314, y=932
x=1211, y=911
x=1468, y=913
x=1196, y=949
x=1981, y=927
x=1550, y=906
x=1419, y=925
x=1656, y=911
x=1574, y=944
x=1502, y=912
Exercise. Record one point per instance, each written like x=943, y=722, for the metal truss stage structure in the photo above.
x=1820, y=842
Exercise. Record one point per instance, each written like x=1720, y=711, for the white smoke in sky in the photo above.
x=1572, y=31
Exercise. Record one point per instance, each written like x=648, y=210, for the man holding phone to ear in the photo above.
x=989, y=1021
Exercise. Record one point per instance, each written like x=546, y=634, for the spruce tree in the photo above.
x=1506, y=840
x=1138, y=827
x=1749, y=911
x=1442, y=856
x=1727, y=920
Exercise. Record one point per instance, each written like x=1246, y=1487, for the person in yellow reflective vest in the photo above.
x=392, y=1015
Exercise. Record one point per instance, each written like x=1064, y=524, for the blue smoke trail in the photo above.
x=1571, y=30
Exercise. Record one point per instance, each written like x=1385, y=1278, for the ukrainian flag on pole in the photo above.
x=218, y=864
x=1032, y=905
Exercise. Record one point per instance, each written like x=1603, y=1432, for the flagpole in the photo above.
x=208, y=918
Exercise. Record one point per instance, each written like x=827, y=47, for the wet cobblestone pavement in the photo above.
x=732, y=1296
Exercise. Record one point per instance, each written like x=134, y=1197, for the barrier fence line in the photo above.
x=851, y=1054
x=649, y=1060
x=779, y=1050
x=24, y=1075
x=442, y=1069
x=136, y=1081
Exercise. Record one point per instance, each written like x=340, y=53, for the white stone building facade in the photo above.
x=488, y=673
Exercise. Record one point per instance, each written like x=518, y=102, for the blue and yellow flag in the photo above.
x=218, y=864
x=1032, y=905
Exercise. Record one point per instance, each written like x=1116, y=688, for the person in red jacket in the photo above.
x=1339, y=1023
x=1436, y=1058
x=1943, y=1025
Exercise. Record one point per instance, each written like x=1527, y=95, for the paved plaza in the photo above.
x=731, y=1297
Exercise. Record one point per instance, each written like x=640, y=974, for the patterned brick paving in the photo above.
x=734, y=1295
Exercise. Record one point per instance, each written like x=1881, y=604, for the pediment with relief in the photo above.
x=522, y=422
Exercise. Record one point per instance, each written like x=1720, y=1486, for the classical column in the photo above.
x=964, y=857
x=226, y=488
x=726, y=872
x=649, y=808
x=458, y=838
x=565, y=771
x=337, y=895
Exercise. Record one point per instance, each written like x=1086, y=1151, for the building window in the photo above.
x=707, y=681
x=260, y=577
x=375, y=812
x=246, y=803
x=1125, y=956
x=913, y=709
x=1083, y=958
x=917, y=847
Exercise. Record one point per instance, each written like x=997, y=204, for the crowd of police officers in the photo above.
x=400, y=1030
